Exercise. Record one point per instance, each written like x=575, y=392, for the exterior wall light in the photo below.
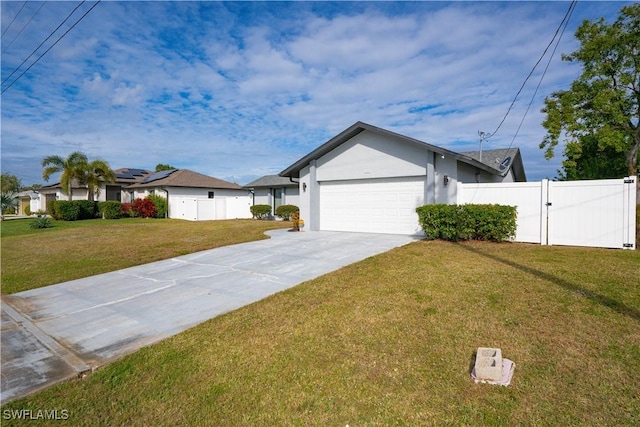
x=304, y=187
x=446, y=179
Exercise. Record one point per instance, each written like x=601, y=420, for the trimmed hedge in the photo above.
x=285, y=211
x=74, y=210
x=468, y=222
x=109, y=209
x=87, y=209
x=260, y=211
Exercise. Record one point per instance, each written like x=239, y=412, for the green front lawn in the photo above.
x=390, y=341
x=74, y=249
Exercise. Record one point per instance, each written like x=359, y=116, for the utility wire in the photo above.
x=23, y=27
x=566, y=16
x=43, y=42
x=14, y=18
x=49, y=48
x=543, y=74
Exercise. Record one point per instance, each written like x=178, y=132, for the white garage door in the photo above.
x=373, y=206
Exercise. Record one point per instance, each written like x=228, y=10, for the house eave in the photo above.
x=293, y=171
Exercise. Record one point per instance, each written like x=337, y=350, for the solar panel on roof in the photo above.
x=158, y=175
x=131, y=173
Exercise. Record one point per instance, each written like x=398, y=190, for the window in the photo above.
x=211, y=194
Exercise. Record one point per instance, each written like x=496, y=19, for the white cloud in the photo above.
x=236, y=90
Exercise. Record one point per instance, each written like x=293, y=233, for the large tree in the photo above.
x=97, y=172
x=73, y=167
x=599, y=116
x=10, y=183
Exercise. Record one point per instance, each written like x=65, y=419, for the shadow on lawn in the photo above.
x=586, y=293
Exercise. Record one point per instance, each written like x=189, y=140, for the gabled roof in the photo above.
x=503, y=159
x=358, y=127
x=184, y=178
x=271, y=181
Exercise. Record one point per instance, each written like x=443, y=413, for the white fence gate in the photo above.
x=599, y=213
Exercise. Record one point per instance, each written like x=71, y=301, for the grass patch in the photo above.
x=32, y=258
x=390, y=341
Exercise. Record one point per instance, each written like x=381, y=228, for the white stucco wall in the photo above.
x=304, y=202
x=194, y=204
x=370, y=155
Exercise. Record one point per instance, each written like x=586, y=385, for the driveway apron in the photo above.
x=66, y=330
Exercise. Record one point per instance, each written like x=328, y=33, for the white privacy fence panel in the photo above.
x=599, y=213
x=526, y=196
x=586, y=213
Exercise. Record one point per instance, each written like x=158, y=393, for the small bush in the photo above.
x=285, y=211
x=42, y=221
x=145, y=208
x=27, y=210
x=126, y=210
x=468, y=222
x=109, y=209
x=260, y=211
x=160, y=204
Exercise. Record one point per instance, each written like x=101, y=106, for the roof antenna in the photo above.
x=483, y=136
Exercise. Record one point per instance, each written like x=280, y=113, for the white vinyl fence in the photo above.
x=598, y=213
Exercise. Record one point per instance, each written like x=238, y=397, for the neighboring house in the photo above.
x=274, y=190
x=194, y=196
x=369, y=179
x=28, y=198
x=112, y=191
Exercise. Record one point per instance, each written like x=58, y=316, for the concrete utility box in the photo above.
x=488, y=364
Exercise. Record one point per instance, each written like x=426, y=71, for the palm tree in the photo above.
x=8, y=201
x=97, y=172
x=72, y=167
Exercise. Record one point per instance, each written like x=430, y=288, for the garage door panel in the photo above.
x=374, y=206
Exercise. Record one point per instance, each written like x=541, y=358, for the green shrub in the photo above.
x=27, y=210
x=160, y=203
x=52, y=209
x=42, y=221
x=109, y=209
x=73, y=210
x=468, y=222
x=86, y=209
x=260, y=211
x=285, y=211
x=66, y=211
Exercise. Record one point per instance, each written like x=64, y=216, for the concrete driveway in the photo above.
x=63, y=331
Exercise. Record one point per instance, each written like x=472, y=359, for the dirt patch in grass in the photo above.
x=389, y=341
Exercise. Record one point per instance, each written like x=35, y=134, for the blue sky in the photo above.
x=243, y=89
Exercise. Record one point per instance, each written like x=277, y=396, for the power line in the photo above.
x=43, y=42
x=543, y=74
x=50, y=47
x=565, y=19
x=14, y=18
x=23, y=27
